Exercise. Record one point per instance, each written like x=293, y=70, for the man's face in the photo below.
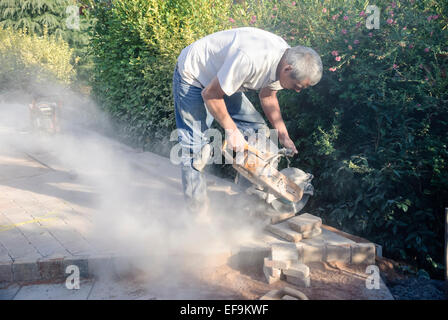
x=287, y=82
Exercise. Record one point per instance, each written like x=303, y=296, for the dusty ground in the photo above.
x=328, y=282
x=178, y=280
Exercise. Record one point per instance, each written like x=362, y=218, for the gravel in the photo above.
x=418, y=288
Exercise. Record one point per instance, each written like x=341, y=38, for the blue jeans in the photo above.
x=190, y=107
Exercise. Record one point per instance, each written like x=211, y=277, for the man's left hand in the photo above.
x=288, y=143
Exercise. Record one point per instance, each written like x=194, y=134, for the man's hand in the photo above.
x=235, y=140
x=287, y=143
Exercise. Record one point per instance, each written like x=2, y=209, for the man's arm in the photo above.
x=213, y=96
x=271, y=109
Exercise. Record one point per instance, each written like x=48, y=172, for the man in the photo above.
x=208, y=81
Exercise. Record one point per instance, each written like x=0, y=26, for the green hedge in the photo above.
x=135, y=46
x=373, y=132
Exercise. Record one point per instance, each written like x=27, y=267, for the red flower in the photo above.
x=334, y=53
x=332, y=69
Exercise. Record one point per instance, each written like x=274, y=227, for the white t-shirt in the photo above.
x=242, y=59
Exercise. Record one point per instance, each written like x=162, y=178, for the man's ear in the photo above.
x=287, y=69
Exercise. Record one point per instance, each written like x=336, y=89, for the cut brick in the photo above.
x=363, y=253
x=312, y=233
x=288, y=297
x=299, y=247
x=284, y=252
x=271, y=280
x=298, y=270
x=300, y=282
x=304, y=222
x=340, y=253
x=295, y=293
x=6, y=272
x=273, y=272
x=313, y=253
x=276, y=264
x=283, y=231
x=25, y=271
x=269, y=275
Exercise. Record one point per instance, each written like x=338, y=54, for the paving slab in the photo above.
x=9, y=292
x=117, y=290
x=304, y=222
x=282, y=230
x=55, y=292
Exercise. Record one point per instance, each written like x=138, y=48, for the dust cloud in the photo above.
x=136, y=204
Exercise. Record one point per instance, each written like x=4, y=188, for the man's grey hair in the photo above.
x=305, y=62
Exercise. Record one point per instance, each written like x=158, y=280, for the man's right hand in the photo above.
x=235, y=139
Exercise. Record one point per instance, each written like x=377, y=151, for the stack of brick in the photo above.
x=284, y=264
x=300, y=227
x=288, y=261
x=349, y=253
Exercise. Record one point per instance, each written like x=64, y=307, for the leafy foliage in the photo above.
x=373, y=132
x=50, y=16
x=27, y=58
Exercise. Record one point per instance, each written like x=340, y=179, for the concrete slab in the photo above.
x=298, y=270
x=117, y=290
x=363, y=253
x=304, y=222
x=300, y=282
x=340, y=253
x=284, y=252
x=55, y=292
x=282, y=230
x=9, y=292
